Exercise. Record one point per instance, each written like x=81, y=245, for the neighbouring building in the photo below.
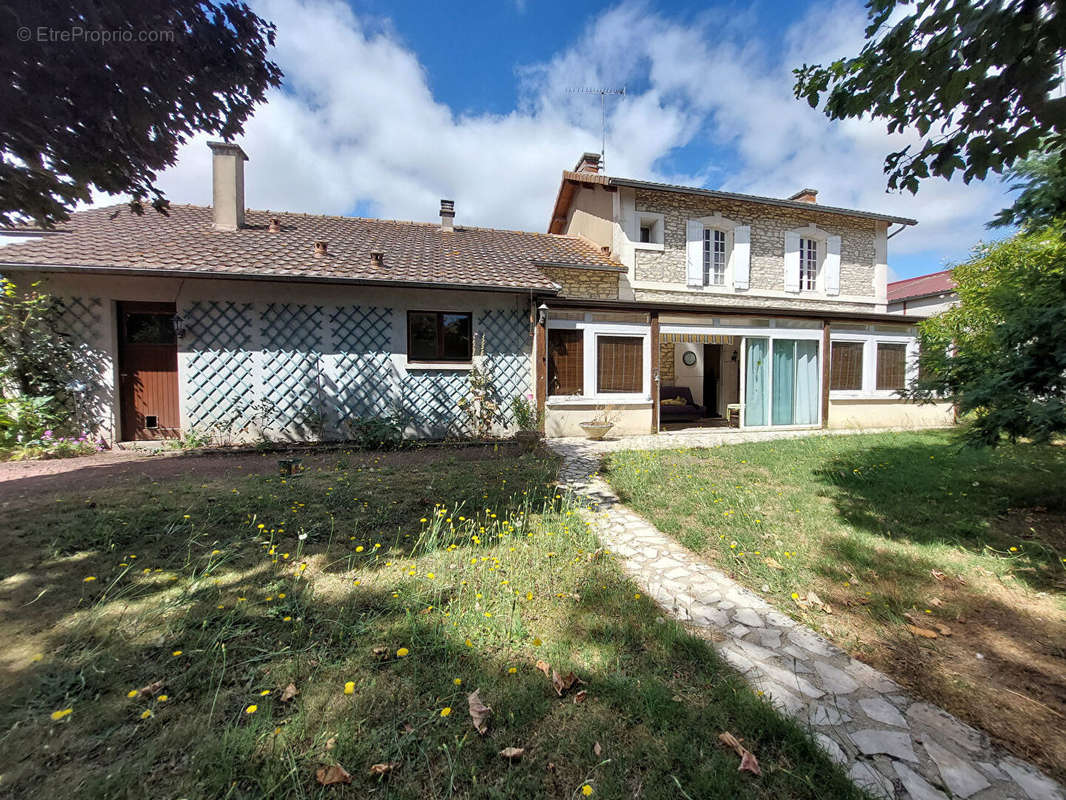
x=923, y=296
x=672, y=305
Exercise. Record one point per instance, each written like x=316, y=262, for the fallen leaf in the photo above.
x=327, y=776
x=936, y=602
x=748, y=762
x=597, y=750
x=479, y=712
x=331, y=742
x=512, y=752
x=923, y=632
x=380, y=652
x=289, y=693
x=811, y=600
x=580, y=696
x=546, y=668
x=383, y=769
x=564, y=682
x=943, y=630
x=152, y=689
x=772, y=564
x=937, y=574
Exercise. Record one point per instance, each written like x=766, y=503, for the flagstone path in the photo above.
x=890, y=743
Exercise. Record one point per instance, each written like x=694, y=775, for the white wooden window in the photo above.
x=808, y=263
x=714, y=258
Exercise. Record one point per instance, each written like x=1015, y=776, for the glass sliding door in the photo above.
x=782, y=382
x=757, y=382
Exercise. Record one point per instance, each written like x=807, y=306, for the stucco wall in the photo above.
x=592, y=214
x=288, y=360
x=631, y=419
x=924, y=306
x=888, y=413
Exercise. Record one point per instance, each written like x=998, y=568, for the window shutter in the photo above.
x=792, y=262
x=694, y=253
x=741, y=256
x=832, y=265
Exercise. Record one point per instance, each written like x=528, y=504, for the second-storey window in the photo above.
x=713, y=257
x=439, y=336
x=808, y=256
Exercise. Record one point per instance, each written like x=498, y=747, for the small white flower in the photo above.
x=302, y=536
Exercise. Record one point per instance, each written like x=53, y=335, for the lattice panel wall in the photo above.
x=292, y=340
x=221, y=365
x=430, y=401
x=507, y=338
x=360, y=381
x=84, y=319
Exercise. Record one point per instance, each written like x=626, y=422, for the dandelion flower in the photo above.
x=264, y=693
x=537, y=642
x=349, y=687
x=132, y=693
x=586, y=790
x=176, y=653
x=512, y=670
x=1014, y=549
x=469, y=643
x=430, y=575
x=146, y=713
x=446, y=711
x=286, y=619
x=251, y=709
x=89, y=578
x=402, y=652
x=458, y=681
x=58, y=715
x=359, y=549
x=163, y=698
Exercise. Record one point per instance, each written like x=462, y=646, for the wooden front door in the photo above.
x=148, y=371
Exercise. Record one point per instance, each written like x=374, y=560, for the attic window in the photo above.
x=645, y=234
x=649, y=230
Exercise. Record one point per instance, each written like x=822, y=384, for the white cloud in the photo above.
x=357, y=127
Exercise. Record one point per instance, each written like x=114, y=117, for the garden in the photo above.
x=422, y=623
x=939, y=563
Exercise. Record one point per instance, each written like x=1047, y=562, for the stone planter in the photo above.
x=527, y=440
x=596, y=430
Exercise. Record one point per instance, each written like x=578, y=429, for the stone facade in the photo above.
x=768, y=227
x=740, y=301
x=586, y=283
x=667, y=372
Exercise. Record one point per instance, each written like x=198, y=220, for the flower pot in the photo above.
x=527, y=440
x=596, y=430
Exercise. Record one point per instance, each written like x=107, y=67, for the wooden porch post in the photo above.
x=826, y=364
x=540, y=366
x=654, y=371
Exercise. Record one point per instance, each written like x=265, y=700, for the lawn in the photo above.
x=900, y=538
x=152, y=629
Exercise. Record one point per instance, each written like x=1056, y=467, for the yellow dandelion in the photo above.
x=58, y=715
x=176, y=653
x=349, y=687
x=359, y=549
x=403, y=651
x=264, y=693
x=286, y=619
x=537, y=642
x=458, y=681
x=512, y=670
x=132, y=693
x=446, y=711
x=146, y=713
x=163, y=698
x=89, y=578
x=586, y=790
x=469, y=643
x=251, y=709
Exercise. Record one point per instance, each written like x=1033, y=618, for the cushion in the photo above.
x=674, y=401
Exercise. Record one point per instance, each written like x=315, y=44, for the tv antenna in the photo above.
x=603, y=116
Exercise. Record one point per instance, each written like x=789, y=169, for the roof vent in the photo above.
x=377, y=258
x=447, y=215
x=320, y=248
x=805, y=196
x=274, y=226
x=589, y=162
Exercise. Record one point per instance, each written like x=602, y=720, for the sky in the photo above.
x=390, y=105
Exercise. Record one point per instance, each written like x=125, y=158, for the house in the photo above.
x=924, y=295
x=257, y=323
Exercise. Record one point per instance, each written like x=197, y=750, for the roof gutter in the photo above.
x=282, y=277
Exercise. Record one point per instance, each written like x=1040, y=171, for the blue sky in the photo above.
x=389, y=106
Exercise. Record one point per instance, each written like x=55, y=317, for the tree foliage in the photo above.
x=1040, y=180
x=1001, y=353
x=36, y=357
x=973, y=77
x=99, y=94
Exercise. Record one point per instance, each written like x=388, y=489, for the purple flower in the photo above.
x=46, y=435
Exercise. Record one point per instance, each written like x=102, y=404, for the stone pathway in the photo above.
x=891, y=744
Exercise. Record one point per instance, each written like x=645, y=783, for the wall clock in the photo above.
x=689, y=358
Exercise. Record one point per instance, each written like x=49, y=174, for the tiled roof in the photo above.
x=921, y=286
x=570, y=178
x=185, y=242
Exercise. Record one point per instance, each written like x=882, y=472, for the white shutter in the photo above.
x=792, y=262
x=832, y=265
x=741, y=256
x=694, y=253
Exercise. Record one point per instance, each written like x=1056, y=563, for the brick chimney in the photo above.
x=227, y=182
x=805, y=196
x=447, y=215
x=589, y=162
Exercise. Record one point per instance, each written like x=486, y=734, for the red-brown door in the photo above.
x=148, y=371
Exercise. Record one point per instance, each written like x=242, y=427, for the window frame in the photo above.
x=810, y=281
x=656, y=224
x=548, y=353
x=440, y=358
x=710, y=250
x=591, y=330
x=600, y=336
x=877, y=366
x=862, y=364
x=870, y=339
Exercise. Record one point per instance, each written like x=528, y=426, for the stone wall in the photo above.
x=592, y=284
x=667, y=373
x=768, y=227
x=740, y=301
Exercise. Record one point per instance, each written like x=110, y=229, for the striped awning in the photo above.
x=695, y=338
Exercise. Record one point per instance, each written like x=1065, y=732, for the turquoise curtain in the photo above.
x=806, y=395
x=784, y=382
x=756, y=379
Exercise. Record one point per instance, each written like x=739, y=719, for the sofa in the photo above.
x=670, y=410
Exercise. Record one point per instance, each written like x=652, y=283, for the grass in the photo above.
x=891, y=530
x=384, y=589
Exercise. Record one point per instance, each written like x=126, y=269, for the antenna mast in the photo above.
x=603, y=116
